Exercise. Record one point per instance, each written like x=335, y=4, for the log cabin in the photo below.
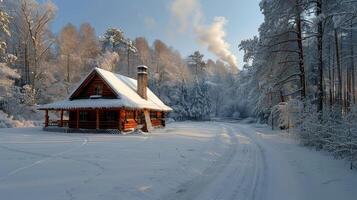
x=109, y=101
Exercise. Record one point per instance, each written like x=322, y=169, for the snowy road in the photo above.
x=208, y=160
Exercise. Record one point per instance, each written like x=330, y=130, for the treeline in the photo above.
x=39, y=66
x=304, y=61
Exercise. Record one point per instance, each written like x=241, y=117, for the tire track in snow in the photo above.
x=59, y=154
x=242, y=172
x=259, y=181
x=233, y=176
x=192, y=188
x=260, y=178
x=25, y=152
x=220, y=190
x=69, y=192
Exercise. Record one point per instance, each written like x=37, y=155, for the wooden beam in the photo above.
x=61, y=122
x=97, y=118
x=119, y=119
x=77, y=118
x=136, y=115
x=122, y=117
x=46, y=119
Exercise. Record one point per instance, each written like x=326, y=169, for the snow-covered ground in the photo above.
x=189, y=160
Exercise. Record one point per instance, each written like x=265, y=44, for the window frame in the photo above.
x=98, y=89
x=153, y=115
x=83, y=116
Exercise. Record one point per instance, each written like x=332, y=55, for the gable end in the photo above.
x=93, y=85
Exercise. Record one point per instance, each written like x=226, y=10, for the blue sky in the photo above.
x=152, y=19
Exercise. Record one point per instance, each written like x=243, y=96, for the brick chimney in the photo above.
x=142, y=81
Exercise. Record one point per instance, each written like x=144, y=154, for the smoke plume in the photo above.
x=188, y=14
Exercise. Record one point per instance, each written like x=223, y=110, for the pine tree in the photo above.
x=181, y=105
x=201, y=105
x=197, y=102
x=196, y=62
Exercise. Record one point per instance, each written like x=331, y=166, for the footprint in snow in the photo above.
x=330, y=181
x=181, y=190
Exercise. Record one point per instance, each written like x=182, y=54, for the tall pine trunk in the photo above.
x=320, y=92
x=333, y=81
x=301, y=56
x=352, y=69
x=330, y=68
x=27, y=67
x=339, y=74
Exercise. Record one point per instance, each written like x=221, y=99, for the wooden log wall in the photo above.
x=89, y=89
x=119, y=119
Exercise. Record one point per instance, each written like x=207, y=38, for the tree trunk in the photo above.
x=68, y=79
x=339, y=75
x=320, y=62
x=27, y=67
x=301, y=57
x=333, y=81
x=352, y=69
x=330, y=76
x=34, y=73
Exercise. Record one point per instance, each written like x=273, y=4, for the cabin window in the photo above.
x=111, y=116
x=83, y=116
x=153, y=115
x=140, y=117
x=98, y=89
x=130, y=114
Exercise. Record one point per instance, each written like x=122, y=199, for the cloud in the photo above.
x=184, y=11
x=188, y=14
x=150, y=22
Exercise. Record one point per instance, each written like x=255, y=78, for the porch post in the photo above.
x=97, y=118
x=46, y=119
x=61, y=122
x=119, y=120
x=77, y=119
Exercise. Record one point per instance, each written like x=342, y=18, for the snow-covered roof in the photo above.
x=124, y=87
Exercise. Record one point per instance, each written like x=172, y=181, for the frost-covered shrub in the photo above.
x=234, y=109
x=310, y=128
x=28, y=95
x=263, y=115
x=341, y=140
x=236, y=115
x=279, y=116
x=332, y=131
x=227, y=110
x=9, y=122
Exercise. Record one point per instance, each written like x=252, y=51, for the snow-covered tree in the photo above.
x=108, y=60
x=68, y=41
x=34, y=19
x=196, y=62
x=8, y=77
x=200, y=103
x=7, y=74
x=4, y=29
x=181, y=104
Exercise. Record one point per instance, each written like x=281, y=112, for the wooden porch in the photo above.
x=102, y=119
